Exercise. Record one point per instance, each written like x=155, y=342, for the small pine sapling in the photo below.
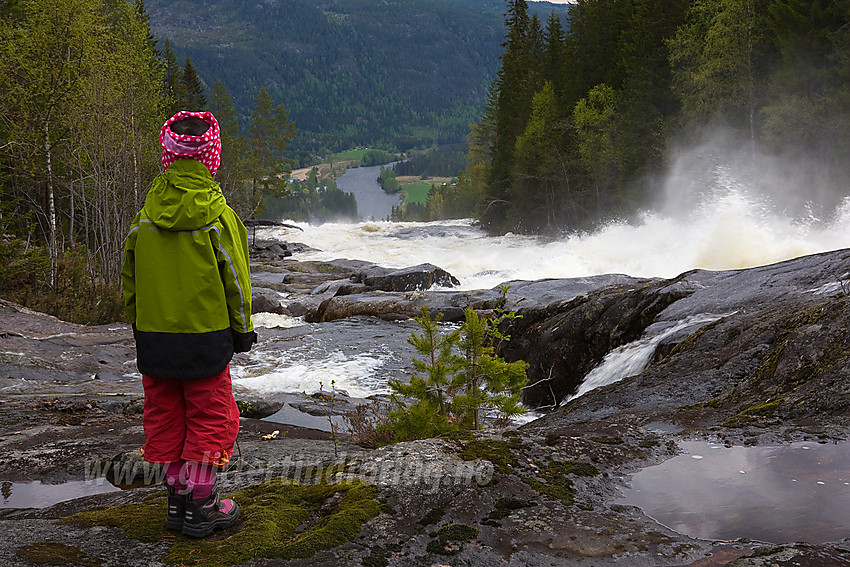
x=487, y=381
x=430, y=414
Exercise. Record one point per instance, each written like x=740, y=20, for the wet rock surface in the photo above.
x=772, y=369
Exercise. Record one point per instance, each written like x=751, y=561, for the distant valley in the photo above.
x=389, y=73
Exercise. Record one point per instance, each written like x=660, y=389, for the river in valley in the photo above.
x=373, y=203
x=727, y=226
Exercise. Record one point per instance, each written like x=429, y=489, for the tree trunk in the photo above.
x=51, y=206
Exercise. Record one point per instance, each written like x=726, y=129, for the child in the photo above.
x=187, y=289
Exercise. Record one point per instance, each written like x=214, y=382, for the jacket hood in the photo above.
x=184, y=197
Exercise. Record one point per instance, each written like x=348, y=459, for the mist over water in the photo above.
x=723, y=222
x=716, y=214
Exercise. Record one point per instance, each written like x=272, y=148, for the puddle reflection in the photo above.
x=777, y=494
x=37, y=495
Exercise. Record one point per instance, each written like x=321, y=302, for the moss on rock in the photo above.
x=52, y=553
x=500, y=453
x=433, y=516
x=279, y=519
x=503, y=507
x=753, y=414
x=450, y=538
x=553, y=482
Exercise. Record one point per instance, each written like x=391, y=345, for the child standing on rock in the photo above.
x=187, y=289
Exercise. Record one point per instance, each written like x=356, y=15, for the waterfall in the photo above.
x=631, y=359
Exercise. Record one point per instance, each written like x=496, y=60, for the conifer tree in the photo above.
x=510, y=111
x=269, y=134
x=145, y=21
x=800, y=109
x=538, y=174
x=555, y=53
x=174, y=90
x=488, y=381
x=193, y=88
x=232, y=173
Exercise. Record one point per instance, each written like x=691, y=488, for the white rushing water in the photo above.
x=735, y=231
x=725, y=226
x=632, y=358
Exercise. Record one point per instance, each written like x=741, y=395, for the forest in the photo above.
x=84, y=90
x=395, y=74
x=581, y=120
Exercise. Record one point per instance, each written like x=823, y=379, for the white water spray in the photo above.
x=730, y=229
x=631, y=359
x=719, y=222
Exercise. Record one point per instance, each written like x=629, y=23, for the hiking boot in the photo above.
x=207, y=514
x=176, y=509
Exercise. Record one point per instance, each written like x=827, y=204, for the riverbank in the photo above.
x=770, y=371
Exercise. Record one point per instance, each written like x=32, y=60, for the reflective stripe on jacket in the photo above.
x=186, y=278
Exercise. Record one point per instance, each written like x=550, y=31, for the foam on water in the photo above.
x=732, y=230
x=726, y=225
x=291, y=371
x=271, y=320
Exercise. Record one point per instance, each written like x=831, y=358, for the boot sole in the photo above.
x=206, y=528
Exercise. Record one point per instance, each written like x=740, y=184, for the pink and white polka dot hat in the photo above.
x=205, y=149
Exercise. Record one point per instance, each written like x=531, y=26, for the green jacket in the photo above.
x=186, y=277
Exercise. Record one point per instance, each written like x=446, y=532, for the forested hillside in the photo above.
x=582, y=118
x=86, y=84
x=395, y=73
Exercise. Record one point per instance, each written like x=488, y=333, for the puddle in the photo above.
x=775, y=494
x=37, y=495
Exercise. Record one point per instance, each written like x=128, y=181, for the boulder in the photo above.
x=266, y=301
x=414, y=278
x=257, y=408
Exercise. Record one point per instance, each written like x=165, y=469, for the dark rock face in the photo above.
x=780, y=339
x=415, y=278
x=562, y=342
x=265, y=300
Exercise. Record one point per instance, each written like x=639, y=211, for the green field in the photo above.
x=416, y=191
x=351, y=154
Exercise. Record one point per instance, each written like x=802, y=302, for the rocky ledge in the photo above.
x=747, y=357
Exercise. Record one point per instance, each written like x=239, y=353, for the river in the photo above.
x=373, y=203
x=729, y=227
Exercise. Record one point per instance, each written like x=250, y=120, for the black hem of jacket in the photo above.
x=242, y=341
x=184, y=356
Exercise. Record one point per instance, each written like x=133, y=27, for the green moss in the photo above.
x=377, y=558
x=578, y=468
x=512, y=435
x=449, y=539
x=432, y=516
x=503, y=507
x=52, y=553
x=144, y=521
x=497, y=452
x=553, y=481
x=457, y=532
x=752, y=414
x=702, y=405
x=558, y=489
x=691, y=339
x=271, y=515
x=605, y=440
